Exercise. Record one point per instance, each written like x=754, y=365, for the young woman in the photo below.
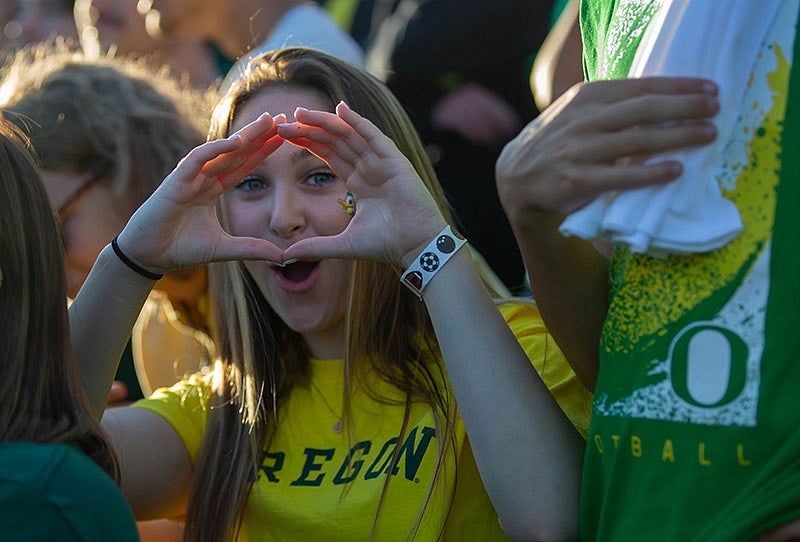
x=49, y=443
x=331, y=412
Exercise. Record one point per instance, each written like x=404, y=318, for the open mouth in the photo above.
x=298, y=271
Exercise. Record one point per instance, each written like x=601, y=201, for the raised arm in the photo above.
x=558, y=64
x=592, y=140
x=503, y=402
x=176, y=227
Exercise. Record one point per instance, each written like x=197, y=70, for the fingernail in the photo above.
x=712, y=103
x=710, y=88
x=276, y=264
x=290, y=261
x=300, y=108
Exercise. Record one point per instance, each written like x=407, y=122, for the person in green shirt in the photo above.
x=56, y=466
x=692, y=357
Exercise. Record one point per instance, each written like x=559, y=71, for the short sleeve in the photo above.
x=184, y=406
x=570, y=394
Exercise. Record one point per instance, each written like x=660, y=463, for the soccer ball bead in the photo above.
x=429, y=262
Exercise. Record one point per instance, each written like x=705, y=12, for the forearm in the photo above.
x=558, y=64
x=507, y=410
x=101, y=318
x=569, y=279
x=576, y=150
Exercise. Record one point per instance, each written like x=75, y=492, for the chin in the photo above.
x=303, y=323
x=312, y=320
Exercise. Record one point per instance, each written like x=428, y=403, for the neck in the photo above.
x=327, y=344
x=250, y=23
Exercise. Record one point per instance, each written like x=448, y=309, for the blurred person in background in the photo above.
x=39, y=20
x=360, y=18
x=10, y=27
x=106, y=131
x=461, y=68
x=239, y=27
x=117, y=26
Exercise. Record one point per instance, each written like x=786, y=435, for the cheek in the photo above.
x=87, y=233
x=340, y=275
x=331, y=217
x=82, y=243
x=244, y=218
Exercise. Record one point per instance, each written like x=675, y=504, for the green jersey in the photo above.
x=694, y=433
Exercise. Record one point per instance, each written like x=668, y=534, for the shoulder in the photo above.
x=522, y=315
x=185, y=407
x=193, y=391
x=546, y=357
x=525, y=321
x=55, y=491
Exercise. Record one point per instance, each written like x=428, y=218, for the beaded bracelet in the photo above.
x=133, y=265
x=432, y=259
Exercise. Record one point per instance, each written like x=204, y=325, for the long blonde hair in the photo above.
x=262, y=359
x=41, y=397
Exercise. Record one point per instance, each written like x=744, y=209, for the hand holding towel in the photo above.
x=693, y=38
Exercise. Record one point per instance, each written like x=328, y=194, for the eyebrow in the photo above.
x=302, y=154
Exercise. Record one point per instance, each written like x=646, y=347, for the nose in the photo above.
x=287, y=215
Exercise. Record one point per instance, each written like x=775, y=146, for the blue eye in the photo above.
x=320, y=179
x=251, y=184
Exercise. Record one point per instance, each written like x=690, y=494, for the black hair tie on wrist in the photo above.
x=133, y=265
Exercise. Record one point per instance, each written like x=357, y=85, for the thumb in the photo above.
x=247, y=248
x=319, y=248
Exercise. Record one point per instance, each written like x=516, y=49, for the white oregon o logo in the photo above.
x=708, y=365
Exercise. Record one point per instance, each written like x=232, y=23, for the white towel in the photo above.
x=693, y=38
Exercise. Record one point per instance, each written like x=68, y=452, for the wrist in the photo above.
x=409, y=257
x=132, y=264
x=428, y=260
x=528, y=219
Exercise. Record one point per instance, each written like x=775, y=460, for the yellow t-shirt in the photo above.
x=315, y=483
